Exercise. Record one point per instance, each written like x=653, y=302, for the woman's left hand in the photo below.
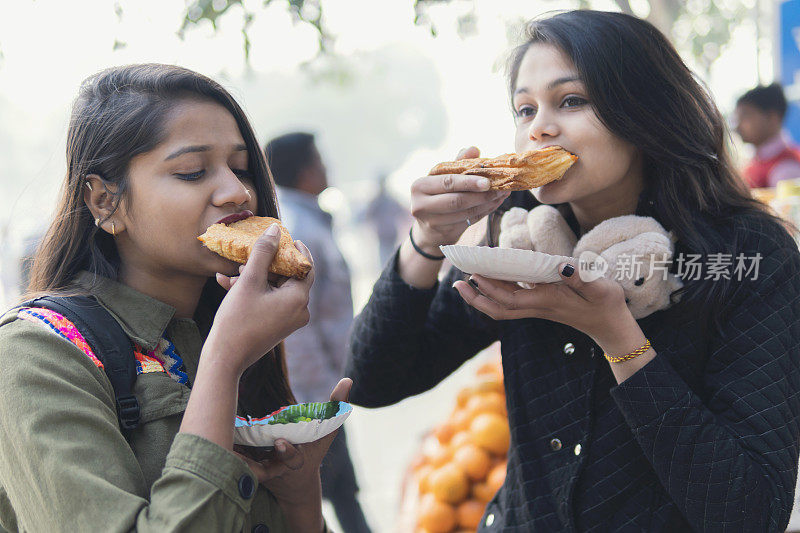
x=291, y=472
x=596, y=308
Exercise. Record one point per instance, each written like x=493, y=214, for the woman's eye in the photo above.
x=190, y=176
x=526, y=111
x=242, y=174
x=573, y=101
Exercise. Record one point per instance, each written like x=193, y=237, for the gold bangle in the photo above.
x=628, y=357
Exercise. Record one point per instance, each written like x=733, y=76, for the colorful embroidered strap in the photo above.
x=164, y=358
x=57, y=324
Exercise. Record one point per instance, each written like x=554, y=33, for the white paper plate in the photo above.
x=507, y=264
x=260, y=432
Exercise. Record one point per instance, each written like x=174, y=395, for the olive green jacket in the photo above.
x=65, y=465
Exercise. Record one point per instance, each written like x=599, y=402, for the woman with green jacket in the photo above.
x=155, y=155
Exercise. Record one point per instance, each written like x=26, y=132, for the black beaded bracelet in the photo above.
x=421, y=252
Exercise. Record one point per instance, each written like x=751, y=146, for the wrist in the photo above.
x=622, y=339
x=216, y=359
x=424, y=241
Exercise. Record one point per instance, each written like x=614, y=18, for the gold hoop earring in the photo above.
x=113, y=229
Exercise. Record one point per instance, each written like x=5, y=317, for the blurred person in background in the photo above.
x=759, y=118
x=386, y=217
x=317, y=352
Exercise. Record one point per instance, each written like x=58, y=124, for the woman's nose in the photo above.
x=543, y=125
x=231, y=189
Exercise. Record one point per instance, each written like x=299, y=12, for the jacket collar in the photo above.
x=143, y=318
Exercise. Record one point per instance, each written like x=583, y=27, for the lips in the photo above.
x=235, y=217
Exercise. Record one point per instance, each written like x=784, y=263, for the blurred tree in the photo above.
x=700, y=27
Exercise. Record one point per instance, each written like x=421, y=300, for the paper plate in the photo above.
x=262, y=432
x=507, y=264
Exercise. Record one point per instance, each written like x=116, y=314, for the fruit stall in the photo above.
x=461, y=462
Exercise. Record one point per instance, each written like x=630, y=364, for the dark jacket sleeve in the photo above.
x=407, y=340
x=730, y=463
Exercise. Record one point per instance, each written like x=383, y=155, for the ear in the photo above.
x=101, y=201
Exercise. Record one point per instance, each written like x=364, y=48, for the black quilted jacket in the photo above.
x=704, y=437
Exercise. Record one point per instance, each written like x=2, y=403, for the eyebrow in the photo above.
x=200, y=148
x=552, y=85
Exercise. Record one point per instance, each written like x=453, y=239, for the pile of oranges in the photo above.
x=463, y=462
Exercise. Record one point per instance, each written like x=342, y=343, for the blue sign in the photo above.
x=789, y=28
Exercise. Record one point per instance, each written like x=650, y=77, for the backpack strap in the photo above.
x=110, y=344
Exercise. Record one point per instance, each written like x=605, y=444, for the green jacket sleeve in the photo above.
x=65, y=466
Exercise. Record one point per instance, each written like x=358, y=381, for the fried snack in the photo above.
x=235, y=241
x=514, y=172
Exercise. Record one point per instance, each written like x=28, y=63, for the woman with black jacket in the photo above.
x=683, y=419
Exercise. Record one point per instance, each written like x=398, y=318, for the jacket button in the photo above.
x=490, y=519
x=555, y=444
x=569, y=348
x=260, y=528
x=247, y=487
x=577, y=449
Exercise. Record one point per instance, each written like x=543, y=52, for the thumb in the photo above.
x=572, y=279
x=256, y=270
x=469, y=152
x=341, y=392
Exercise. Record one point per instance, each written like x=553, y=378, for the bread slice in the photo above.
x=514, y=172
x=235, y=241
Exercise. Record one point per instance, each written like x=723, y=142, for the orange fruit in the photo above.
x=444, y=432
x=459, y=439
x=436, y=516
x=461, y=419
x=488, y=402
x=469, y=513
x=463, y=395
x=490, y=383
x=440, y=455
x=474, y=461
x=497, y=475
x=423, y=478
x=491, y=368
x=449, y=483
x=482, y=492
x=490, y=431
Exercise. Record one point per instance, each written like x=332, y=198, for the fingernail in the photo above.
x=568, y=271
x=280, y=446
x=483, y=184
x=273, y=230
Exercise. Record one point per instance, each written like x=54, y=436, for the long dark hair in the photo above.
x=118, y=114
x=644, y=94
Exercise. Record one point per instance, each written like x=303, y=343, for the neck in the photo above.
x=768, y=139
x=181, y=292
x=593, y=210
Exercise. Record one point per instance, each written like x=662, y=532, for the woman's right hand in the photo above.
x=445, y=205
x=256, y=315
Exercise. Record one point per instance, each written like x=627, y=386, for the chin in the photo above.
x=212, y=263
x=553, y=193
